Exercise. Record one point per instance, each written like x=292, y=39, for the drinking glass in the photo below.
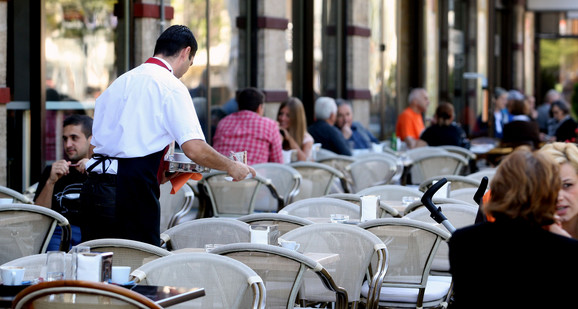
x=55, y=264
x=338, y=218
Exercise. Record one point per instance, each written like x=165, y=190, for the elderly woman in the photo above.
x=512, y=262
x=566, y=155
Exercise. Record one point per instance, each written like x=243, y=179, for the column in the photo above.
x=357, y=78
x=4, y=91
x=267, y=53
x=518, y=45
x=147, y=27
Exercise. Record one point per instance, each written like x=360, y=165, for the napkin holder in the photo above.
x=264, y=234
x=369, y=207
x=444, y=191
x=179, y=162
x=94, y=266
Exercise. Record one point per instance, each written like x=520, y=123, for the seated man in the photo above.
x=323, y=130
x=355, y=134
x=410, y=122
x=247, y=130
x=60, y=183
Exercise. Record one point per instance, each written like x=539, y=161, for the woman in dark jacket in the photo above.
x=521, y=130
x=566, y=131
x=445, y=131
x=523, y=259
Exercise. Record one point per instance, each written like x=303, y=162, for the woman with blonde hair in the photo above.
x=566, y=155
x=293, y=128
x=512, y=262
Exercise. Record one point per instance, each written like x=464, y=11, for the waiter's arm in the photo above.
x=203, y=154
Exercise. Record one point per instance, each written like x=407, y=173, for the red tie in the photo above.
x=157, y=62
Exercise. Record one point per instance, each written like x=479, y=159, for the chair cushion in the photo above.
x=437, y=288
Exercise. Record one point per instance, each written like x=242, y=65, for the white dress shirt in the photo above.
x=142, y=112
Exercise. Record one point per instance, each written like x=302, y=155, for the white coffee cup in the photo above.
x=120, y=274
x=12, y=275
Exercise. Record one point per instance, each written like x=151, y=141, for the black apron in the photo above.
x=125, y=205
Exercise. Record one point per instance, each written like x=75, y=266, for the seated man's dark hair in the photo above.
x=84, y=121
x=250, y=99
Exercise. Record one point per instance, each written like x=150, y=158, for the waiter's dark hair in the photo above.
x=174, y=39
x=250, y=99
x=84, y=121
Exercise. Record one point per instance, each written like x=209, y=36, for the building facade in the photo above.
x=56, y=56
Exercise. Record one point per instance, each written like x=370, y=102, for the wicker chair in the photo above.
x=282, y=271
x=86, y=294
x=26, y=229
x=199, y=232
x=127, y=252
x=411, y=246
x=355, y=247
x=228, y=283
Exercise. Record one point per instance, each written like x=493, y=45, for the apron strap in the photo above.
x=100, y=159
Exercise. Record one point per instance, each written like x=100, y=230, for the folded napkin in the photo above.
x=179, y=181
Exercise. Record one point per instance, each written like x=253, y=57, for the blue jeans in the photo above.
x=54, y=244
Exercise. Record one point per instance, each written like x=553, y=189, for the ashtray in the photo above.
x=179, y=162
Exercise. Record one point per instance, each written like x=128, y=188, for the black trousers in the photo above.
x=125, y=205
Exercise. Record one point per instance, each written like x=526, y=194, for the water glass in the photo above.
x=55, y=265
x=338, y=218
x=406, y=200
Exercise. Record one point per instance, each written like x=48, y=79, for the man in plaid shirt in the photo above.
x=248, y=130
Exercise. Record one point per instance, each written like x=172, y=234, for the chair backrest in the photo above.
x=86, y=294
x=286, y=180
x=322, y=153
x=318, y=179
x=466, y=153
x=174, y=206
x=282, y=271
x=459, y=215
x=412, y=246
x=232, y=198
x=26, y=229
x=16, y=196
x=355, y=248
x=389, y=155
x=437, y=201
x=34, y=265
x=391, y=192
x=127, y=252
x=416, y=153
x=486, y=172
x=434, y=164
x=340, y=163
x=284, y=222
x=322, y=207
x=197, y=233
x=228, y=283
x=371, y=171
x=457, y=182
x=383, y=211
x=464, y=194
x=377, y=154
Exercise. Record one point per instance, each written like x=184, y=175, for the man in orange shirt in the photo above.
x=410, y=122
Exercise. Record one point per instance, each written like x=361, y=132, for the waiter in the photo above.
x=140, y=113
